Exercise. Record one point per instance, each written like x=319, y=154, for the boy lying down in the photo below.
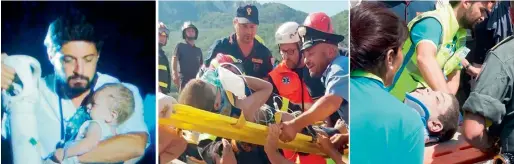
x=439, y=112
x=208, y=93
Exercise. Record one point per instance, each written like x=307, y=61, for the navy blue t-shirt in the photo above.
x=257, y=64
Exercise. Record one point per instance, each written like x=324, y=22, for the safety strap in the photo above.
x=283, y=108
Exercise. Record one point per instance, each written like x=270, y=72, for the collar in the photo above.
x=233, y=41
x=329, y=65
x=418, y=106
x=362, y=73
x=282, y=67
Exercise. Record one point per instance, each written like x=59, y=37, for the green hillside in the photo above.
x=214, y=21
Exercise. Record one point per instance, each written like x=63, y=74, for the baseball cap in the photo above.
x=247, y=14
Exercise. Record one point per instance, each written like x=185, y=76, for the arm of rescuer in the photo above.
x=174, y=62
x=486, y=104
x=426, y=36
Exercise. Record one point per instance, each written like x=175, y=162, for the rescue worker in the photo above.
x=164, y=64
x=288, y=78
x=430, y=53
x=187, y=56
x=489, y=108
x=256, y=58
x=322, y=58
x=394, y=130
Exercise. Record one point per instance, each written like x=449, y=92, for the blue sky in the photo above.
x=329, y=7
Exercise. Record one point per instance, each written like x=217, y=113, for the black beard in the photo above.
x=74, y=91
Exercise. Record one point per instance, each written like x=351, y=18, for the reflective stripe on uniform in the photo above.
x=163, y=84
x=163, y=67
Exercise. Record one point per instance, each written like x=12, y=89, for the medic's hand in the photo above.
x=8, y=74
x=324, y=142
x=227, y=156
x=272, y=139
x=288, y=132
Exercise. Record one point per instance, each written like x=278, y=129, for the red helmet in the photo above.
x=319, y=21
x=223, y=58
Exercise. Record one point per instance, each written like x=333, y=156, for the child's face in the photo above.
x=437, y=102
x=99, y=108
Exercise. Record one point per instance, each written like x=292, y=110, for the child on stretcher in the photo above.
x=111, y=105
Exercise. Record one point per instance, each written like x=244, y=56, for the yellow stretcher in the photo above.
x=190, y=118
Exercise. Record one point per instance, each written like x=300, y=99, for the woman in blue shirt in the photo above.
x=383, y=128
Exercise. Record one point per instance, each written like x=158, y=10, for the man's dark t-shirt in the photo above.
x=190, y=59
x=257, y=64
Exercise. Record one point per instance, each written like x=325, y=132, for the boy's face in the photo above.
x=437, y=102
x=100, y=107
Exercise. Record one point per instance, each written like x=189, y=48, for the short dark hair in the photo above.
x=374, y=30
x=450, y=121
x=198, y=94
x=72, y=26
x=454, y=3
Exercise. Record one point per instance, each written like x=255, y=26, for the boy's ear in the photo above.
x=114, y=116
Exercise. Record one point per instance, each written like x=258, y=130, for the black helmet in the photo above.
x=186, y=26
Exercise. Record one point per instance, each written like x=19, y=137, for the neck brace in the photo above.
x=419, y=107
x=424, y=113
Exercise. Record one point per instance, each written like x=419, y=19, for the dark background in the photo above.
x=129, y=45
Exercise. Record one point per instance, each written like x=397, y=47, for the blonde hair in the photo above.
x=198, y=94
x=122, y=100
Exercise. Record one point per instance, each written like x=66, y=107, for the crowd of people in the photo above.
x=238, y=78
x=423, y=71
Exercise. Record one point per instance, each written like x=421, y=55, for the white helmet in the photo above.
x=287, y=33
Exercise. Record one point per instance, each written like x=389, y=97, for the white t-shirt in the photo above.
x=49, y=120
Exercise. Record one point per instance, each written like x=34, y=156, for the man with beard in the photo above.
x=73, y=48
x=256, y=58
x=432, y=54
x=323, y=59
x=189, y=57
x=489, y=109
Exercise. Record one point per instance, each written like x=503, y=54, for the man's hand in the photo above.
x=8, y=74
x=227, y=156
x=341, y=126
x=326, y=146
x=324, y=142
x=473, y=71
x=339, y=140
x=272, y=139
x=58, y=156
x=288, y=131
x=176, y=80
